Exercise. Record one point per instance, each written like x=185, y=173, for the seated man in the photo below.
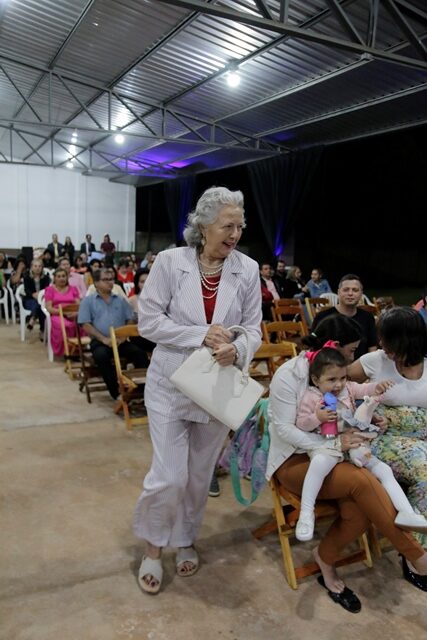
x=350, y=291
x=97, y=314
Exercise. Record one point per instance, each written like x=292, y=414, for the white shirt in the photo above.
x=378, y=366
x=272, y=289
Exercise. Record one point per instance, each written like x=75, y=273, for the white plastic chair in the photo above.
x=365, y=300
x=12, y=301
x=47, y=325
x=23, y=313
x=4, y=301
x=332, y=297
x=128, y=287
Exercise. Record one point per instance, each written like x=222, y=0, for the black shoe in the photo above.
x=347, y=598
x=214, y=489
x=416, y=579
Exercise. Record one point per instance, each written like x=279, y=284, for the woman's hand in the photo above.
x=353, y=439
x=383, y=386
x=225, y=354
x=216, y=336
x=380, y=421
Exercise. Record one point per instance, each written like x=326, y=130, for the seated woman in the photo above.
x=94, y=265
x=80, y=264
x=317, y=284
x=124, y=274
x=326, y=407
x=60, y=292
x=357, y=492
x=19, y=269
x=139, y=279
x=34, y=281
x=403, y=359
x=294, y=285
x=47, y=259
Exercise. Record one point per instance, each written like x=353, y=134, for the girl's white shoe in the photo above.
x=305, y=527
x=410, y=521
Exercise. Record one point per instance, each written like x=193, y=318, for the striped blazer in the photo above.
x=171, y=314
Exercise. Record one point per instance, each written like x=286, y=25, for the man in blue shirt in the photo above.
x=97, y=314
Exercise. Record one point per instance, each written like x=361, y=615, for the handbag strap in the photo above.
x=237, y=328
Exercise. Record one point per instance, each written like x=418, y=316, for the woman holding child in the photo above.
x=361, y=497
x=402, y=359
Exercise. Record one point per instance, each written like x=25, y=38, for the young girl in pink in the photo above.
x=328, y=375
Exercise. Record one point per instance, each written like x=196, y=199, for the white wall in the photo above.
x=38, y=201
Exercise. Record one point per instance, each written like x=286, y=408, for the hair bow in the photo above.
x=310, y=355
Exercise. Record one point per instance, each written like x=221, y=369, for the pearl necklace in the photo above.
x=204, y=279
x=210, y=271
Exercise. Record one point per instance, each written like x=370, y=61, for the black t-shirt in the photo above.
x=366, y=322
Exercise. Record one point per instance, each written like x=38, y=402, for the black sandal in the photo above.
x=346, y=598
x=417, y=579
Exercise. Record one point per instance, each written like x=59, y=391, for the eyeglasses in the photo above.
x=107, y=279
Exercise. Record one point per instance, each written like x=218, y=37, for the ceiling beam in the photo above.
x=345, y=110
x=296, y=32
x=406, y=28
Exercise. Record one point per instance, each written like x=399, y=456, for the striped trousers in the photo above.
x=170, y=509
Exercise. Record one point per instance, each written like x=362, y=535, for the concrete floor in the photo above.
x=69, y=478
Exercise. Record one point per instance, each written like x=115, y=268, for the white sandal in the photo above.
x=184, y=555
x=150, y=567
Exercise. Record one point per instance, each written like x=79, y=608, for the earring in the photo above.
x=203, y=241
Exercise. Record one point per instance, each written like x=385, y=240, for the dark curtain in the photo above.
x=279, y=186
x=179, y=197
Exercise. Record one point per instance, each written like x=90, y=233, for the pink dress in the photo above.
x=70, y=296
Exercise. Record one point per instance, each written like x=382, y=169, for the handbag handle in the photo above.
x=237, y=328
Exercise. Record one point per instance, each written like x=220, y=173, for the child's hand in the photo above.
x=325, y=415
x=383, y=386
x=380, y=421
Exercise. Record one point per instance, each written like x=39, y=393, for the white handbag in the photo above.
x=226, y=393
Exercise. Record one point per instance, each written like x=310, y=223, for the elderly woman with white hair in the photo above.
x=191, y=296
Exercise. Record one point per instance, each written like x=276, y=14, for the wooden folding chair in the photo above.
x=130, y=381
x=284, y=331
x=290, y=309
x=284, y=520
x=273, y=355
x=90, y=376
x=371, y=308
x=71, y=348
x=383, y=302
x=314, y=305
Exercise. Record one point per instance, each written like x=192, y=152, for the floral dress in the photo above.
x=404, y=448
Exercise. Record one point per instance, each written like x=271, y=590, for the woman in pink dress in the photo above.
x=60, y=292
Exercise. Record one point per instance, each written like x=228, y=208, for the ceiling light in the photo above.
x=72, y=149
x=233, y=79
x=74, y=134
x=119, y=138
x=69, y=164
x=95, y=24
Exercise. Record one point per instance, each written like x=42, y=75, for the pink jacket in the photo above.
x=313, y=398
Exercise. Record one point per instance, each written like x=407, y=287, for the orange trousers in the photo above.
x=361, y=499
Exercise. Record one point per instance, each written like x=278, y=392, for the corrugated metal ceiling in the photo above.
x=156, y=70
